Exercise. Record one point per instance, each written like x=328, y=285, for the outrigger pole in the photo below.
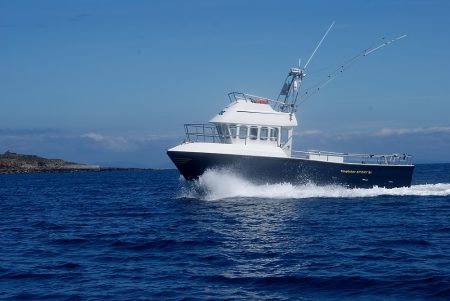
x=290, y=91
x=342, y=68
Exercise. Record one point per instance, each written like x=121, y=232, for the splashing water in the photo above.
x=216, y=184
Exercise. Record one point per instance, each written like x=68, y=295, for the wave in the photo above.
x=216, y=184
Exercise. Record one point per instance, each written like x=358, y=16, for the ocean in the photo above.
x=150, y=235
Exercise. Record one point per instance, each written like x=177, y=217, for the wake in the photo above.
x=223, y=184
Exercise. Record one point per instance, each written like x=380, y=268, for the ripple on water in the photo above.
x=149, y=235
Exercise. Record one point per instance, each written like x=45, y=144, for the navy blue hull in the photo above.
x=294, y=170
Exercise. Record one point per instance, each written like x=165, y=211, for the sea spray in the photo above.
x=218, y=184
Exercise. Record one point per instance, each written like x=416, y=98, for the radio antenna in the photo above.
x=318, y=45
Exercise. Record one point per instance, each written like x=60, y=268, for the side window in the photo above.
x=284, y=135
x=253, y=133
x=219, y=130
x=243, y=132
x=274, y=134
x=264, y=134
x=233, y=130
x=225, y=132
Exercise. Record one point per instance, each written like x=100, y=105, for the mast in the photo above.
x=291, y=87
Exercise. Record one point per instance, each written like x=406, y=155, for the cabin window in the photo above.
x=219, y=130
x=253, y=133
x=264, y=134
x=284, y=135
x=274, y=134
x=225, y=131
x=243, y=132
x=233, y=131
x=222, y=130
x=222, y=133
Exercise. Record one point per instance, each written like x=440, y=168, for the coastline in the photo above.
x=13, y=163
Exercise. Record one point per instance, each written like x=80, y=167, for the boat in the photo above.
x=253, y=136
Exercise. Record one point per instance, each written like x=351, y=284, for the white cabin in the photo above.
x=254, y=123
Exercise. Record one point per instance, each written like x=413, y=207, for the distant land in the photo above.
x=11, y=162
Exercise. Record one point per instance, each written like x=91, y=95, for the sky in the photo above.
x=112, y=82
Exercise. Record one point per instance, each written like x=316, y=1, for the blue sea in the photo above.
x=149, y=235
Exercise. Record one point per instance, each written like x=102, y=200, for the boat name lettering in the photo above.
x=365, y=172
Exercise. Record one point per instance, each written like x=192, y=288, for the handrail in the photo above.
x=381, y=159
x=209, y=133
x=235, y=96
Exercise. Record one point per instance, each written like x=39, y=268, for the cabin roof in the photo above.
x=247, y=112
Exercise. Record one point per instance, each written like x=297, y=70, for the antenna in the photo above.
x=318, y=45
x=291, y=87
x=344, y=67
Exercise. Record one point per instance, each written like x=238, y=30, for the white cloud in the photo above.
x=146, y=138
x=94, y=136
x=407, y=131
x=384, y=132
x=113, y=143
x=310, y=133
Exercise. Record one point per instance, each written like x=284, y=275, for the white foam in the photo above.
x=222, y=184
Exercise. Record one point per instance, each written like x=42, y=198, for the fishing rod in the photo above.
x=307, y=94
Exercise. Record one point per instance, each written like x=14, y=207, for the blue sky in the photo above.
x=113, y=82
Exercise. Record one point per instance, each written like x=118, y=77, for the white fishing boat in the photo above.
x=253, y=137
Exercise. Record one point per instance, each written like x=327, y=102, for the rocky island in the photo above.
x=11, y=162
